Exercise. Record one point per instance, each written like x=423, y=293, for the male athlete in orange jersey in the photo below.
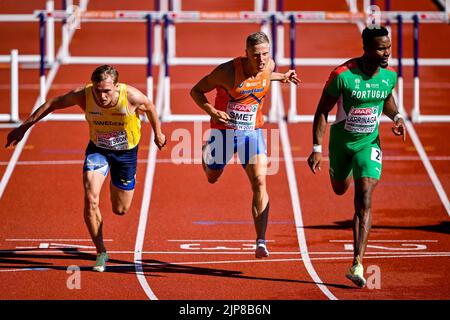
x=236, y=121
x=111, y=109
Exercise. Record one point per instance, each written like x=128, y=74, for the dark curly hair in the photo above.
x=369, y=33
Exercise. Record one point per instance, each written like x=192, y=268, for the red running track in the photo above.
x=197, y=242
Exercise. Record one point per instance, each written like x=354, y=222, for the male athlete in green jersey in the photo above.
x=362, y=87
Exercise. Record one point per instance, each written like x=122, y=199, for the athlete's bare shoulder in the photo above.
x=223, y=74
x=135, y=96
x=76, y=97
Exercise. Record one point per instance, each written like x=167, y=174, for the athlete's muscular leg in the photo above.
x=362, y=220
x=211, y=174
x=93, y=181
x=256, y=171
x=120, y=199
x=340, y=187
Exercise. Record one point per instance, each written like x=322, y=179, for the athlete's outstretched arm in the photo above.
x=75, y=97
x=219, y=77
x=143, y=104
x=390, y=109
x=289, y=76
x=325, y=105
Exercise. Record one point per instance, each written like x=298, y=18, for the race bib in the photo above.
x=375, y=155
x=116, y=140
x=362, y=120
x=242, y=116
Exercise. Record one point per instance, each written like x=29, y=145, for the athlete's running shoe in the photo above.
x=356, y=275
x=100, y=263
x=261, y=249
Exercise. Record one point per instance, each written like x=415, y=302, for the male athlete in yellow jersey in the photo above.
x=112, y=112
x=236, y=117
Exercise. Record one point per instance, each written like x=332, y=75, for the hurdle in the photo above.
x=71, y=16
x=170, y=20
x=33, y=58
x=277, y=20
x=66, y=58
x=13, y=116
x=398, y=17
x=416, y=114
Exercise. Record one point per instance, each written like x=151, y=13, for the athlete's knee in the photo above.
x=363, y=202
x=212, y=180
x=258, y=183
x=120, y=210
x=339, y=187
x=121, y=200
x=363, y=194
x=339, y=190
x=213, y=175
x=91, y=201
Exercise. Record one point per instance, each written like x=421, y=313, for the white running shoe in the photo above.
x=261, y=249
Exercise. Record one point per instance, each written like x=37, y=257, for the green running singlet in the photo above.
x=354, y=138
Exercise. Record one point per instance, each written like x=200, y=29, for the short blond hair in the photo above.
x=256, y=38
x=102, y=72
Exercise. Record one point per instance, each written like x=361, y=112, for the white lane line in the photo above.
x=196, y=160
x=219, y=240
x=387, y=240
x=25, y=269
x=143, y=217
x=295, y=198
x=240, y=261
x=60, y=239
x=57, y=251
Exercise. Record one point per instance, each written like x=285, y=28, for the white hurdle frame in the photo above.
x=172, y=60
x=13, y=116
x=242, y=17
x=323, y=17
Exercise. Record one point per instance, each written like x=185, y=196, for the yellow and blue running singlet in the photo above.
x=114, y=137
x=113, y=128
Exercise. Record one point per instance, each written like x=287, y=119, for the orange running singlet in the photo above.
x=244, y=101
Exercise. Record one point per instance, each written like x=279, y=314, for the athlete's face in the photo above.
x=379, y=51
x=259, y=56
x=105, y=91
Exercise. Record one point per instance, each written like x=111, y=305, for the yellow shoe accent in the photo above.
x=100, y=262
x=356, y=275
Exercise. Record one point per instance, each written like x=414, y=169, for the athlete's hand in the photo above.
x=314, y=160
x=160, y=140
x=399, y=128
x=291, y=76
x=15, y=136
x=219, y=117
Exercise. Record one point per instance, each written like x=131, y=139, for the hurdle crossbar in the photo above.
x=412, y=17
x=227, y=17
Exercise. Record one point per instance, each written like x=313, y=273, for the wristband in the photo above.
x=317, y=148
x=397, y=117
